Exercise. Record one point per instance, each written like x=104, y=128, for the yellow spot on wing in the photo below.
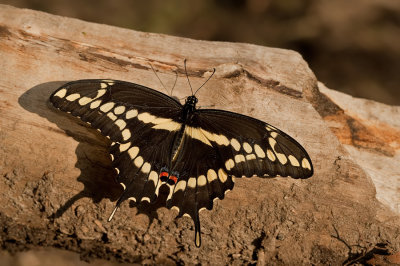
x=146, y=168
x=146, y=117
x=138, y=161
x=124, y=147
x=119, y=110
x=120, y=123
x=293, y=160
x=107, y=107
x=239, y=158
x=229, y=164
x=61, y=93
x=131, y=114
x=73, y=97
x=223, y=176
x=251, y=157
x=235, y=144
x=282, y=158
x=211, y=175
x=201, y=181
x=95, y=104
x=100, y=93
x=260, y=153
x=181, y=185
x=247, y=147
x=270, y=155
x=111, y=116
x=126, y=134
x=153, y=177
x=84, y=100
x=306, y=164
x=192, y=182
x=133, y=152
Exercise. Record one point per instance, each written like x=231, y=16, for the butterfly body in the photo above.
x=195, y=152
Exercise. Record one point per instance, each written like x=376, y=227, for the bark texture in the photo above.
x=57, y=188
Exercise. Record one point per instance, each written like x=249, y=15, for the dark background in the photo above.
x=352, y=45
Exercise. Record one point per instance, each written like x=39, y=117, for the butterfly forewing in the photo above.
x=251, y=147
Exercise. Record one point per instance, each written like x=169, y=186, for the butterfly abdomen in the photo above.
x=177, y=144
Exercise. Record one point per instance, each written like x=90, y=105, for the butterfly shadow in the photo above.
x=92, y=153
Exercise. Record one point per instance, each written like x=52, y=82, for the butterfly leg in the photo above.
x=115, y=208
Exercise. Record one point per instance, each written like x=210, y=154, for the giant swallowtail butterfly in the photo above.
x=195, y=152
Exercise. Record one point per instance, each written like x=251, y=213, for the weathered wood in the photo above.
x=57, y=188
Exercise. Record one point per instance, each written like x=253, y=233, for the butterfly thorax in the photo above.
x=188, y=108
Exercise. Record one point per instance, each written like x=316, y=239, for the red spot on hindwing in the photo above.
x=173, y=178
x=163, y=174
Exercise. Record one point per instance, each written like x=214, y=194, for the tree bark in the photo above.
x=58, y=189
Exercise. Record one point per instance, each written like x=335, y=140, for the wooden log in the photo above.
x=58, y=189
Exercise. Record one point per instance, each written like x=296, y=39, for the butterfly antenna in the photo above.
x=206, y=81
x=184, y=62
x=176, y=78
x=155, y=73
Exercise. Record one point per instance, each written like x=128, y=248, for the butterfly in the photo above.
x=197, y=153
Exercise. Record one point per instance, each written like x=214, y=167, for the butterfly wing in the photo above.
x=139, y=121
x=250, y=147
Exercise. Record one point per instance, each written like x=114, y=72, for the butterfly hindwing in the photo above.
x=202, y=179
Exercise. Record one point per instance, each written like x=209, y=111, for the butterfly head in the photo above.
x=191, y=101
